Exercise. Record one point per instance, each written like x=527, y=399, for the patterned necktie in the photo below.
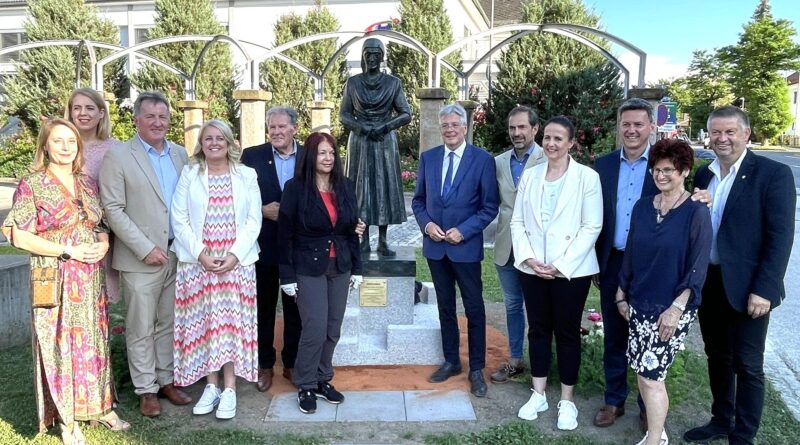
x=448, y=177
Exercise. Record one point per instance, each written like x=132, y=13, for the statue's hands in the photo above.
x=378, y=133
x=365, y=129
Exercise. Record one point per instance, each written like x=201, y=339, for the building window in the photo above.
x=8, y=39
x=795, y=97
x=140, y=35
x=123, y=36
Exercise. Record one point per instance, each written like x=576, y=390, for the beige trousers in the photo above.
x=149, y=325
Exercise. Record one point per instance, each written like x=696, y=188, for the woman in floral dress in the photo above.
x=216, y=217
x=87, y=110
x=56, y=216
x=663, y=271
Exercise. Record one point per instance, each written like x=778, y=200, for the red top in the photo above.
x=329, y=198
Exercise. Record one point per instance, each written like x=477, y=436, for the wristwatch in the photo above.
x=66, y=254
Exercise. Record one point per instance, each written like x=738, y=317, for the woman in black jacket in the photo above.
x=319, y=261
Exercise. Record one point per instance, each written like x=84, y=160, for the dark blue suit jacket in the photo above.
x=470, y=205
x=756, y=232
x=607, y=167
x=262, y=160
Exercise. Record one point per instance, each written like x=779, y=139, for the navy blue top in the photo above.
x=662, y=260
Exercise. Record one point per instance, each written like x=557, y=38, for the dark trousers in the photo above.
x=615, y=335
x=268, y=289
x=446, y=274
x=555, y=307
x=734, y=344
x=321, y=302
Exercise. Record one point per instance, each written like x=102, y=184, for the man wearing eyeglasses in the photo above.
x=624, y=179
x=137, y=181
x=456, y=198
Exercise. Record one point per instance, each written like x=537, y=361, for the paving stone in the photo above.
x=433, y=406
x=283, y=408
x=372, y=406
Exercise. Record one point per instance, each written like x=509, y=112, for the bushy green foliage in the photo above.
x=288, y=85
x=16, y=154
x=426, y=21
x=215, y=81
x=556, y=76
x=122, y=127
x=705, y=88
x=46, y=76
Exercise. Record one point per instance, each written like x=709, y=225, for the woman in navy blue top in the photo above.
x=665, y=263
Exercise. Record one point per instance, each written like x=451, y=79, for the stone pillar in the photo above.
x=470, y=106
x=108, y=98
x=192, y=121
x=320, y=115
x=253, y=116
x=431, y=100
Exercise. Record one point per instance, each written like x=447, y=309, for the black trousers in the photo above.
x=555, y=307
x=615, y=336
x=734, y=344
x=446, y=274
x=268, y=288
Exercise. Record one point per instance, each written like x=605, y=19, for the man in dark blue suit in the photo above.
x=274, y=163
x=456, y=198
x=624, y=179
x=752, y=216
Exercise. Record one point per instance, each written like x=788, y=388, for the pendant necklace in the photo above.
x=660, y=216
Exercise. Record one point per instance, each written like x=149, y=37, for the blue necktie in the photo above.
x=448, y=177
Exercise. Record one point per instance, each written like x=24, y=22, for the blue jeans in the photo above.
x=515, y=311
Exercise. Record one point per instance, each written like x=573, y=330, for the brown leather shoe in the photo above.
x=643, y=421
x=287, y=374
x=264, y=379
x=507, y=371
x=174, y=395
x=149, y=405
x=608, y=415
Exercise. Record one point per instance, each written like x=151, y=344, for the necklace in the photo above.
x=659, y=215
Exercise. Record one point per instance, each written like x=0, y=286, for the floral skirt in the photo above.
x=648, y=355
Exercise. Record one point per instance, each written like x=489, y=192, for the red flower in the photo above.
x=118, y=330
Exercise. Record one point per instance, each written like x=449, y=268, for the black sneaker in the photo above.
x=307, y=401
x=329, y=393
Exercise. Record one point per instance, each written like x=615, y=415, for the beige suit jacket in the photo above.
x=136, y=210
x=508, y=193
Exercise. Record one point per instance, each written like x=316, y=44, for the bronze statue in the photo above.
x=373, y=159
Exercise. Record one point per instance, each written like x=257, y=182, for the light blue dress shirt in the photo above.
x=629, y=190
x=284, y=166
x=165, y=172
x=518, y=165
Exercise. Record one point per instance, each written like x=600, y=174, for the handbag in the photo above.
x=45, y=282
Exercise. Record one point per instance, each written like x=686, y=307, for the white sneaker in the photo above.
x=567, y=415
x=208, y=401
x=535, y=405
x=664, y=438
x=227, y=404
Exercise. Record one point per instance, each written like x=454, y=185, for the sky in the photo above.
x=670, y=31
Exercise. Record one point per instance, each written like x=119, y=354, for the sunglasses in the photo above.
x=82, y=214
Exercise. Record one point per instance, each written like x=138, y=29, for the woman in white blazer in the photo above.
x=557, y=218
x=216, y=218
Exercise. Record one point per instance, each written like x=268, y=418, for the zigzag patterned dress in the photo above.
x=215, y=315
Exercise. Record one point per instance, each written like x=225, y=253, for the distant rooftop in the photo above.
x=506, y=12
x=793, y=78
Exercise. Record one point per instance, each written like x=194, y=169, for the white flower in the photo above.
x=649, y=360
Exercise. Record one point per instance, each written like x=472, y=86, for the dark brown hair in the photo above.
x=676, y=151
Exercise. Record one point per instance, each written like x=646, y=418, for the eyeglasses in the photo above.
x=667, y=172
x=82, y=215
x=445, y=126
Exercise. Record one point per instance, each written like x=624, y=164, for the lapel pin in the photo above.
x=744, y=176
x=269, y=162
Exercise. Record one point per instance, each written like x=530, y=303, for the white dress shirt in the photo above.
x=720, y=188
x=459, y=153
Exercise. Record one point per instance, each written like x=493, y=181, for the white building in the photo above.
x=794, y=103
x=253, y=21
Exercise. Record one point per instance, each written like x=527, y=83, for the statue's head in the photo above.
x=372, y=54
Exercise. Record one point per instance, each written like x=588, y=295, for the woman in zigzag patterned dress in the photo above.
x=216, y=218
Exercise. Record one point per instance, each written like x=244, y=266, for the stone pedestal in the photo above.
x=109, y=99
x=398, y=333
x=15, y=301
x=470, y=106
x=192, y=121
x=320, y=115
x=252, y=123
x=431, y=100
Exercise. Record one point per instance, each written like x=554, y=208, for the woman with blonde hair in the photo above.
x=57, y=217
x=87, y=110
x=216, y=217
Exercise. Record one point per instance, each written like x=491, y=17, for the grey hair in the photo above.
x=635, y=104
x=153, y=96
x=533, y=118
x=456, y=109
x=283, y=109
x=729, y=111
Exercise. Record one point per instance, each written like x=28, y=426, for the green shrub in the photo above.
x=16, y=154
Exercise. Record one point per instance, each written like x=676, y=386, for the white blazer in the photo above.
x=190, y=203
x=568, y=243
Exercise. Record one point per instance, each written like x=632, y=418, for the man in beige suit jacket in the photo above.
x=137, y=180
x=523, y=124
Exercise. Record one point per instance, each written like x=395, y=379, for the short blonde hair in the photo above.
x=41, y=159
x=234, y=151
x=103, y=130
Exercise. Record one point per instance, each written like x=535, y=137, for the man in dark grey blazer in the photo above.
x=752, y=216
